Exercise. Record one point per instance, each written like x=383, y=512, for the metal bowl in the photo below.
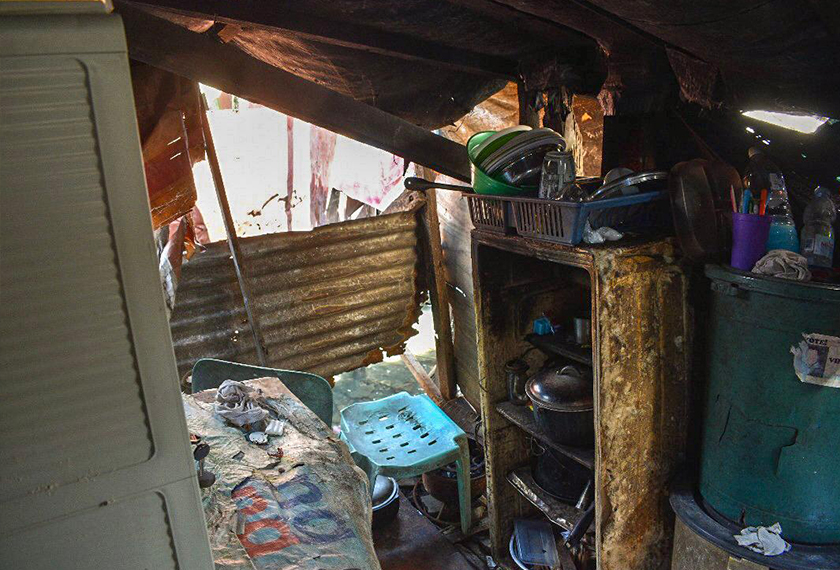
x=385, y=500
x=526, y=170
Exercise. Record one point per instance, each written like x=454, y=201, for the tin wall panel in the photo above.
x=327, y=301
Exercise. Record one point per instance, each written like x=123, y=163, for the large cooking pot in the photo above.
x=563, y=405
x=559, y=476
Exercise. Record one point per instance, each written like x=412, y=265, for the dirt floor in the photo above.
x=388, y=377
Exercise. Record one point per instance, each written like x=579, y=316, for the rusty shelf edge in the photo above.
x=556, y=345
x=561, y=514
x=522, y=417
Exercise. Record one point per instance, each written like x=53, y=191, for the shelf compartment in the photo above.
x=559, y=345
x=558, y=512
x=523, y=417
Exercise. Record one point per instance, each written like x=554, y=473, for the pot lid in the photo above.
x=561, y=390
x=384, y=491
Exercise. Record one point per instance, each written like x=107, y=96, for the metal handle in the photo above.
x=414, y=183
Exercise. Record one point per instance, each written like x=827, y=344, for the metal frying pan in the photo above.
x=696, y=188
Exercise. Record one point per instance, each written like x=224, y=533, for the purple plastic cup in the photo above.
x=749, y=239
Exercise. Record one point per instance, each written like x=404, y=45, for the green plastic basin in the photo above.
x=482, y=182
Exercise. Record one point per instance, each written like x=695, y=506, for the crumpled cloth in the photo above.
x=783, y=264
x=600, y=235
x=764, y=540
x=235, y=404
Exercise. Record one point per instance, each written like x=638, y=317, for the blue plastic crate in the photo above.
x=563, y=222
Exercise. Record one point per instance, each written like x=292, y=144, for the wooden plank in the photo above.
x=277, y=17
x=423, y=378
x=456, y=225
x=439, y=297
x=201, y=58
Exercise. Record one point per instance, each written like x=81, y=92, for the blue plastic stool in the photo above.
x=312, y=390
x=405, y=436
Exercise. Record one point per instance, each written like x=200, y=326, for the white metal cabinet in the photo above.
x=95, y=464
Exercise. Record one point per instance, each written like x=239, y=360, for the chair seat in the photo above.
x=405, y=436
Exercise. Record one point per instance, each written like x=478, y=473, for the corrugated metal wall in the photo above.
x=327, y=301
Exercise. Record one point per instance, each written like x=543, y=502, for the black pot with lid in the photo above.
x=563, y=405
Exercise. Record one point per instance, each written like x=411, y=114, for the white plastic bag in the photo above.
x=234, y=403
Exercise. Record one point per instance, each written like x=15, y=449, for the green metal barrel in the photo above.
x=771, y=442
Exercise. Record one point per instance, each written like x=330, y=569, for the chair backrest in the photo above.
x=312, y=390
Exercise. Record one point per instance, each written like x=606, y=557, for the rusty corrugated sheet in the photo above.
x=327, y=301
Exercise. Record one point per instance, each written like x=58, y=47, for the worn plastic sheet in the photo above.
x=309, y=510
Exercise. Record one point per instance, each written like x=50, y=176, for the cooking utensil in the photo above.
x=385, y=499
x=558, y=173
x=515, y=372
x=581, y=527
x=563, y=405
x=583, y=331
x=538, y=138
x=614, y=188
x=560, y=476
x=495, y=141
x=702, y=192
x=482, y=182
x=527, y=169
x=414, y=183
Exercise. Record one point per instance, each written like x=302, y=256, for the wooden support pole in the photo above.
x=201, y=58
x=528, y=114
x=230, y=230
x=439, y=297
x=422, y=377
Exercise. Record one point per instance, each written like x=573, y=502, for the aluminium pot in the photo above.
x=385, y=501
x=563, y=405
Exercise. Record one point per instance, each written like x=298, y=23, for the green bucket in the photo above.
x=770, y=440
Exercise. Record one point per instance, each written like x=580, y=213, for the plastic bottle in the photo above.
x=763, y=174
x=818, y=231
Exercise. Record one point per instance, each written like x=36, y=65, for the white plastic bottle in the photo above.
x=818, y=230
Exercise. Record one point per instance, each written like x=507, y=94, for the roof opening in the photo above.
x=807, y=124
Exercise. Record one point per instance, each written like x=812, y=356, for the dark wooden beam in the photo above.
x=277, y=17
x=202, y=58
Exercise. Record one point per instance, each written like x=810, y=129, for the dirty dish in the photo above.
x=492, y=143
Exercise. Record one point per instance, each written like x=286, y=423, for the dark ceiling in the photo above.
x=429, y=62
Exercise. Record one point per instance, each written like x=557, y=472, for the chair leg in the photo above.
x=464, y=490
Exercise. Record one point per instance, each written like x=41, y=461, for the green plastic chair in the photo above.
x=312, y=390
x=405, y=436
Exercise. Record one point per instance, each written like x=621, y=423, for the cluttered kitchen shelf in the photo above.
x=557, y=344
x=559, y=513
x=523, y=417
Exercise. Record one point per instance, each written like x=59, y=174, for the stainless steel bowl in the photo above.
x=526, y=170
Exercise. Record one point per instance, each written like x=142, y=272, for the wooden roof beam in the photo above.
x=199, y=57
x=276, y=17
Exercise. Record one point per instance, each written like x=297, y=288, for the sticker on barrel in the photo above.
x=817, y=360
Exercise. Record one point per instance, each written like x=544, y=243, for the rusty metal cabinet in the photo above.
x=641, y=329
